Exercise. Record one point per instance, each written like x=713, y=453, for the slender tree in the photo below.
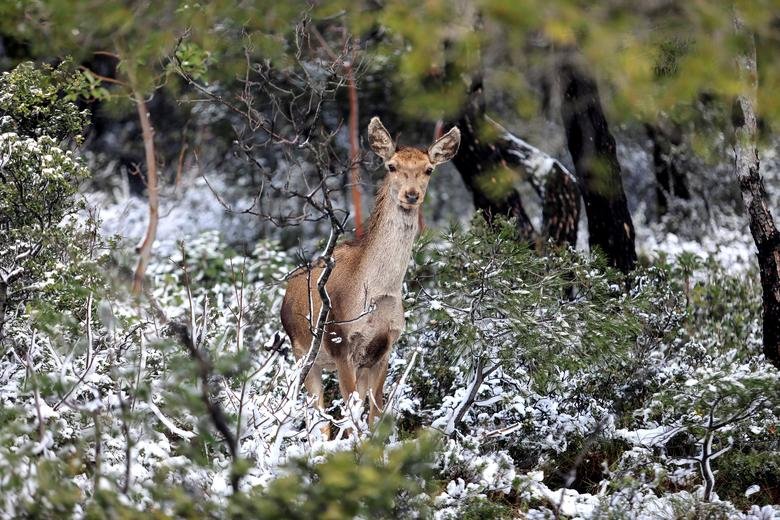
x=348, y=64
x=670, y=179
x=593, y=151
x=751, y=184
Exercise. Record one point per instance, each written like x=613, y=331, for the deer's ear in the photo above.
x=445, y=147
x=380, y=140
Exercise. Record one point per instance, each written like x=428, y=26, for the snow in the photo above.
x=648, y=437
x=188, y=213
x=568, y=501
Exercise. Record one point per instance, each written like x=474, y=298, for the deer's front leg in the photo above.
x=347, y=382
x=376, y=383
x=372, y=377
x=346, y=374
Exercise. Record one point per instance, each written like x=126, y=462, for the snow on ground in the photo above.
x=728, y=242
x=185, y=212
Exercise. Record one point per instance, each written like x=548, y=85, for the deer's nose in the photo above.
x=412, y=197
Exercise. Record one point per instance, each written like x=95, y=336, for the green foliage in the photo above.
x=479, y=294
x=741, y=470
x=38, y=101
x=217, y=272
x=650, y=60
x=562, y=330
x=371, y=482
x=479, y=508
x=193, y=59
x=679, y=348
x=38, y=181
x=145, y=37
x=493, y=297
x=724, y=314
x=91, y=87
x=55, y=496
x=722, y=397
x=590, y=457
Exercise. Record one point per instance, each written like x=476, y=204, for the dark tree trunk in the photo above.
x=762, y=225
x=561, y=207
x=481, y=165
x=555, y=184
x=593, y=151
x=670, y=180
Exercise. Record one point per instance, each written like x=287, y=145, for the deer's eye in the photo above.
x=429, y=170
x=391, y=167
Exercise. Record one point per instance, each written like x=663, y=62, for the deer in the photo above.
x=366, y=316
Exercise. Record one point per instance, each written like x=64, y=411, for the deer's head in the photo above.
x=410, y=169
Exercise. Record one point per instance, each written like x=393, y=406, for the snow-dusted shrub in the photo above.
x=534, y=440
x=604, y=384
x=372, y=481
x=111, y=420
x=38, y=100
x=38, y=181
x=564, y=389
x=506, y=332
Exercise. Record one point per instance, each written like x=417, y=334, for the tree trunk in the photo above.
x=593, y=151
x=670, y=180
x=483, y=170
x=561, y=207
x=144, y=249
x=751, y=184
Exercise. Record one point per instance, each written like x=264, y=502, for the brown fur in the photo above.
x=365, y=285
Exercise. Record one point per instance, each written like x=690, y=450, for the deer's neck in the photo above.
x=387, y=246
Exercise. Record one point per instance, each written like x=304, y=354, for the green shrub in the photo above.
x=37, y=101
x=740, y=470
x=370, y=482
x=38, y=182
x=481, y=508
